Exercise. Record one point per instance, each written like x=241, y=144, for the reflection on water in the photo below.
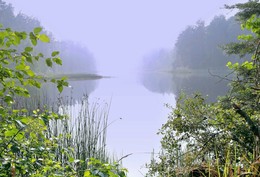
x=49, y=92
x=203, y=82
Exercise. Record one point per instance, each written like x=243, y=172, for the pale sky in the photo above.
x=120, y=32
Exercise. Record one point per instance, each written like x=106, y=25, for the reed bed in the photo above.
x=81, y=134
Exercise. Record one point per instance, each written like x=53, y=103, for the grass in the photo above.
x=84, y=130
x=81, y=135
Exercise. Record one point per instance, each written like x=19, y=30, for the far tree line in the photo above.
x=199, y=46
x=83, y=60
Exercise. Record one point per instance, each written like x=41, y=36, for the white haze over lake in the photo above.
x=120, y=32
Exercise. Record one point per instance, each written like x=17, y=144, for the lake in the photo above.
x=137, y=109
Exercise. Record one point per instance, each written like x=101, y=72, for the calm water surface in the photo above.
x=137, y=114
x=137, y=109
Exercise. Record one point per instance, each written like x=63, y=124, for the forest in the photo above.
x=198, y=47
x=220, y=138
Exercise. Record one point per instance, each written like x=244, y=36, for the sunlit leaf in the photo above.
x=30, y=73
x=25, y=120
x=44, y=38
x=87, y=173
x=11, y=132
x=229, y=64
x=60, y=88
x=57, y=61
x=37, y=30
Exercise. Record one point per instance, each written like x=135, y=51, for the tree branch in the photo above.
x=254, y=128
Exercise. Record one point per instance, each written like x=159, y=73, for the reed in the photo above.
x=81, y=134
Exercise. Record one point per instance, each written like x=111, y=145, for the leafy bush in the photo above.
x=24, y=149
x=98, y=169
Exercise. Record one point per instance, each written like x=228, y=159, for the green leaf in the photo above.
x=44, y=38
x=25, y=120
x=48, y=62
x=55, y=53
x=30, y=73
x=8, y=99
x=65, y=83
x=37, y=30
x=57, y=61
x=248, y=65
x=87, y=173
x=60, y=88
x=28, y=49
x=41, y=122
x=245, y=37
x=23, y=35
x=11, y=132
x=19, y=75
x=40, y=55
x=64, y=78
x=37, y=58
x=229, y=64
x=29, y=59
x=6, y=62
x=2, y=110
x=20, y=67
x=33, y=39
x=36, y=84
x=71, y=159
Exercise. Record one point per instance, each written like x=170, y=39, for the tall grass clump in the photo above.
x=82, y=134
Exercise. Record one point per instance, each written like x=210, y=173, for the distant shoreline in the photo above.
x=77, y=76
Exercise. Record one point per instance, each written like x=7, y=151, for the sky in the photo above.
x=120, y=32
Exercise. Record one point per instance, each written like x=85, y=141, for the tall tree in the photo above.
x=198, y=47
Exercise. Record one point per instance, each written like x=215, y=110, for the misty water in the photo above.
x=137, y=108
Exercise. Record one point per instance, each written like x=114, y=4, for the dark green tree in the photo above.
x=222, y=135
x=199, y=46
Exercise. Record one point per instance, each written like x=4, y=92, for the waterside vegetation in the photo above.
x=219, y=138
